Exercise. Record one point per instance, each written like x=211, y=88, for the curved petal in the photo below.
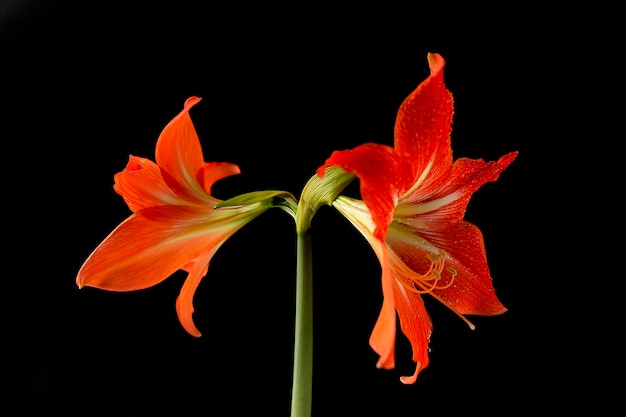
x=184, y=302
x=383, y=337
x=422, y=128
x=470, y=290
x=215, y=171
x=142, y=186
x=416, y=325
x=448, y=194
x=151, y=245
x=179, y=155
x=377, y=169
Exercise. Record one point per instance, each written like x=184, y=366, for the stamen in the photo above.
x=432, y=279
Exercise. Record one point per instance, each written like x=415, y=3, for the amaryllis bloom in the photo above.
x=175, y=223
x=414, y=199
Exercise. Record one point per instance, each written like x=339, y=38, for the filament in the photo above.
x=432, y=279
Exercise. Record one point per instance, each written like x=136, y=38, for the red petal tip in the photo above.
x=435, y=62
x=192, y=101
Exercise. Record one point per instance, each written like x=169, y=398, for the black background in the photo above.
x=85, y=84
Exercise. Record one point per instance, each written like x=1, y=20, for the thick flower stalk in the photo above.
x=176, y=224
x=414, y=197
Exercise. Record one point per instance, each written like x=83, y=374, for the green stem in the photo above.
x=317, y=192
x=302, y=388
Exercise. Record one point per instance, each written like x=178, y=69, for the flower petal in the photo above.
x=179, y=155
x=447, y=195
x=383, y=337
x=377, y=169
x=142, y=186
x=151, y=245
x=184, y=302
x=416, y=325
x=470, y=290
x=422, y=128
x=215, y=171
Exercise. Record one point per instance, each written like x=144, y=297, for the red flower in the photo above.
x=175, y=223
x=414, y=200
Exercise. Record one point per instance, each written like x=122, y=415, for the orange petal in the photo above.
x=184, y=302
x=142, y=186
x=376, y=167
x=179, y=154
x=416, y=325
x=423, y=126
x=149, y=246
x=215, y=171
x=383, y=337
x=473, y=291
x=448, y=191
